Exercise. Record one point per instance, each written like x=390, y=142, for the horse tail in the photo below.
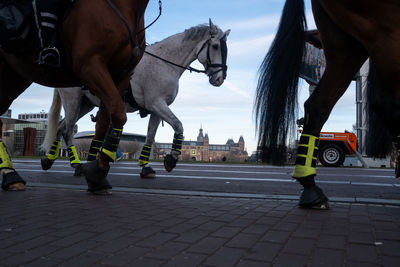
x=276, y=94
x=378, y=139
x=53, y=119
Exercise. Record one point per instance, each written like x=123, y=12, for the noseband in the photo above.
x=224, y=52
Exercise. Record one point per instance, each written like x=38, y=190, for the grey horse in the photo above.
x=153, y=87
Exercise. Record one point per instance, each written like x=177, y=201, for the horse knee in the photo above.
x=178, y=127
x=118, y=115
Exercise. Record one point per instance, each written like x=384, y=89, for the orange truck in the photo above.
x=334, y=146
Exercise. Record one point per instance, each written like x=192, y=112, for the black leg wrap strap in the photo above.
x=94, y=149
x=307, y=182
x=111, y=142
x=145, y=155
x=177, y=143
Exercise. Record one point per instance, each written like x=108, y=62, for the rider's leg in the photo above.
x=46, y=18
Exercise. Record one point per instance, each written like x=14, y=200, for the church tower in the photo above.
x=241, y=143
x=200, y=137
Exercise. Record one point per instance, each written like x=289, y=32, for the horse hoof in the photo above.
x=46, y=163
x=313, y=198
x=147, y=173
x=78, y=170
x=16, y=187
x=169, y=162
x=102, y=192
x=13, y=182
x=96, y=178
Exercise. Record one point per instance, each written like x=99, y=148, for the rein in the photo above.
x=133, y=41
x=159, y=15
x=176, y=65
x=131, y=37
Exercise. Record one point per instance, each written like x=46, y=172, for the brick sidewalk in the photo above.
x=53, y=227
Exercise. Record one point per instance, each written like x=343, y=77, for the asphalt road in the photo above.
x=350, y=185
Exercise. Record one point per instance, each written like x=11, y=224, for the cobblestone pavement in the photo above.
x=68, y=227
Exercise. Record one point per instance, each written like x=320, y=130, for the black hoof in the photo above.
x=46, y=163
x=313, y=198
x=398, y=168
x=12, y=181
x=78, y=170
x=169, y=162
x=96, y=178
x=147, y=172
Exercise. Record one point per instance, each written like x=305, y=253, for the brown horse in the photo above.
x=350, y=31
x=103, y=41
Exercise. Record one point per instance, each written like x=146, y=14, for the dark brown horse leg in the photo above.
x=386, y=101
x=11, y=85
x=344, y=57
x=110, y=120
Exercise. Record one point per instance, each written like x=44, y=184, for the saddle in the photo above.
x=15, y=25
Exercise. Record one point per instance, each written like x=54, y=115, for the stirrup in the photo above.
x=50, y=57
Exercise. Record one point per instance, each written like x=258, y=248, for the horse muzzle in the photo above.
x=217, y=77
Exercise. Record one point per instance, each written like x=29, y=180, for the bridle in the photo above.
x=222, y=66
x=224, y=53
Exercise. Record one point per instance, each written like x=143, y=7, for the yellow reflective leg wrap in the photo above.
x=54, y=150
x=94, y=149
x=177, y=143
x=5, y=161
x=73, y=155
x=111, y=142
x=145, y=155
x=306, y=159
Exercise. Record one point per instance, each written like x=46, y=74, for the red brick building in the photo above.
x=202, y=150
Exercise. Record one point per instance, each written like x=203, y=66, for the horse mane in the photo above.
x=198, y=32
x=193, y=33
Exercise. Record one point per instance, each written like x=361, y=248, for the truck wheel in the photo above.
x=331, y=155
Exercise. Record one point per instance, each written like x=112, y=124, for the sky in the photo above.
x=223, y=112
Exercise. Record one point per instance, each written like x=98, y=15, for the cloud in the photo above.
x=249, y=47
x=254, y=23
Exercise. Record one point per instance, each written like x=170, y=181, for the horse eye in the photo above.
x=215, y=46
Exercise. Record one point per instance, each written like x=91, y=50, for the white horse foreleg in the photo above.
x=165, y=113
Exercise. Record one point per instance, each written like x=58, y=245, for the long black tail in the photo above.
x=276, y=95
x=379, y=140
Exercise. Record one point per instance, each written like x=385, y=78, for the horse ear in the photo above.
x=213, y=29
x=226, y=33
